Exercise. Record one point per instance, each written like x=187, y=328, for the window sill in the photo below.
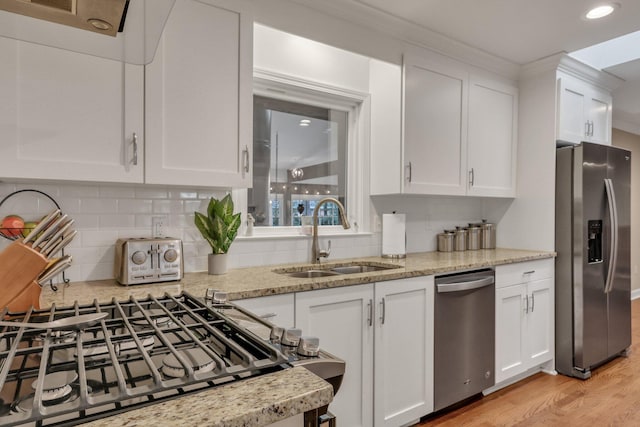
x=285, y=236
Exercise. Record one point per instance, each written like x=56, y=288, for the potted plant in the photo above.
x=218, y=227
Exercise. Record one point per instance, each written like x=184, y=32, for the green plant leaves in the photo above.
x=220, y=226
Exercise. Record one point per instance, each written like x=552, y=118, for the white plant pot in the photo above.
x=217, y=263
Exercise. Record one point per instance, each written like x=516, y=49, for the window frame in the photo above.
x=357, y=106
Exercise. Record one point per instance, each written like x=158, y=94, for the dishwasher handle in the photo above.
x=465, y=285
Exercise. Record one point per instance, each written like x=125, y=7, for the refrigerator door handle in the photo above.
x=613, y=220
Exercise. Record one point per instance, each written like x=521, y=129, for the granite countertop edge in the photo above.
x=256, y=402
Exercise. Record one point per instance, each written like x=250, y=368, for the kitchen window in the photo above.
x=306, y=146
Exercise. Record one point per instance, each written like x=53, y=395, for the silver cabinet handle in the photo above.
x=408, y=167
x=526, y=310
x=134, y=160
x=586, y=128
x=472, y=177
x=591, y=128
x=245, y=160
x=382, y=311
x=528, y=272
x=370, y=312
x=533, y=302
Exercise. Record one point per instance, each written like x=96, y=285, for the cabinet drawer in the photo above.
x=521, y=272
x=277, y=309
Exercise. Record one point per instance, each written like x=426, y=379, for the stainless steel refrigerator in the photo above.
x=593, y=282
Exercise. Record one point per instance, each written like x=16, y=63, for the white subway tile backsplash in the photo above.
x=98, y=206
x=135, y=206
x=117, y=192
x=167, y=206
x=92, y=238
x=82, y=191
x=118, y=221
x=150, y=193
x=183, y=194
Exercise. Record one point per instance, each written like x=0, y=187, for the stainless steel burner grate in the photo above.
x=144, y=351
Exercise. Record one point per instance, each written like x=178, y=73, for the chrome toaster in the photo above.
x=144, y=260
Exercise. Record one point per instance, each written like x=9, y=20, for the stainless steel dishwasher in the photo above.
x=464, y=360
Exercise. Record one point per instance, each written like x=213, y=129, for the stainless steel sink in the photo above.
x=307, y=274
x=335, y=270
x=353, y=269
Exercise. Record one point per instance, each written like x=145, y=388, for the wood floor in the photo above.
x=611, y=397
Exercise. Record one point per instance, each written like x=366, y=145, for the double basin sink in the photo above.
x=334, y=270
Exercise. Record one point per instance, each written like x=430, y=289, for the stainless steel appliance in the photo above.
x=134, y=28
x=142, y=352
x=148, y=260
x=593, y=296
x=464, y=345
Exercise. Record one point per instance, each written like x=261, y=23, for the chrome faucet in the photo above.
x=316, y=252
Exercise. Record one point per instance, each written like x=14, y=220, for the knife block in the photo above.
x=20, y=266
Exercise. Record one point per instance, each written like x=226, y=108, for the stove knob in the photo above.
x=170, y=255
x=291, y=337
x=308, y=346
x=138, y=257
x=276, y=334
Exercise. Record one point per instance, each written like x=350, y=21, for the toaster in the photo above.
x=148, y=260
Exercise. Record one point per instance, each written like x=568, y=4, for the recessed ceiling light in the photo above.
x=601, y=11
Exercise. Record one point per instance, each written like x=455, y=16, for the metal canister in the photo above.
x=473, y=237
x=460, y=239
x=445, y=241
x=487, y=235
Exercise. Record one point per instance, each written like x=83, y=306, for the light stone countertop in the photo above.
x=261, y=281
x=268, y=398
x=253, y=402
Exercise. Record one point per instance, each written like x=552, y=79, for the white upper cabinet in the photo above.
x=199, y=97
x=459, y=132
x=491, y=152
x=584, y=112
x=69, y=116
x=435, y=121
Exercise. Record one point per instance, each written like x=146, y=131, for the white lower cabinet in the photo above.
x=341, y=318
x=403, y=375
x=524, y=317
x=390, y=323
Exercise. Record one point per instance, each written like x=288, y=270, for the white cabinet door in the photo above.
x=524, y=317
x=342, y=319
x=540, y=327
x=510, y=332
x=584, y=112
x=599, y=111
x=492, y=141
x=435, y=127
x=403, y=351
x=460, y=131
x=277, y=309
x=199, y=97
x=69, y=116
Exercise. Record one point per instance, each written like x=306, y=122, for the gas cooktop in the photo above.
x=142, y=352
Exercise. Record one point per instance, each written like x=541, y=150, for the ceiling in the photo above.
x=521, y=31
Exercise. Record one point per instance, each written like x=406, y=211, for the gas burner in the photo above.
x=157, y=315
x=120, y=347
x=199, y=360
x=58, y=336
x=56, y=385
